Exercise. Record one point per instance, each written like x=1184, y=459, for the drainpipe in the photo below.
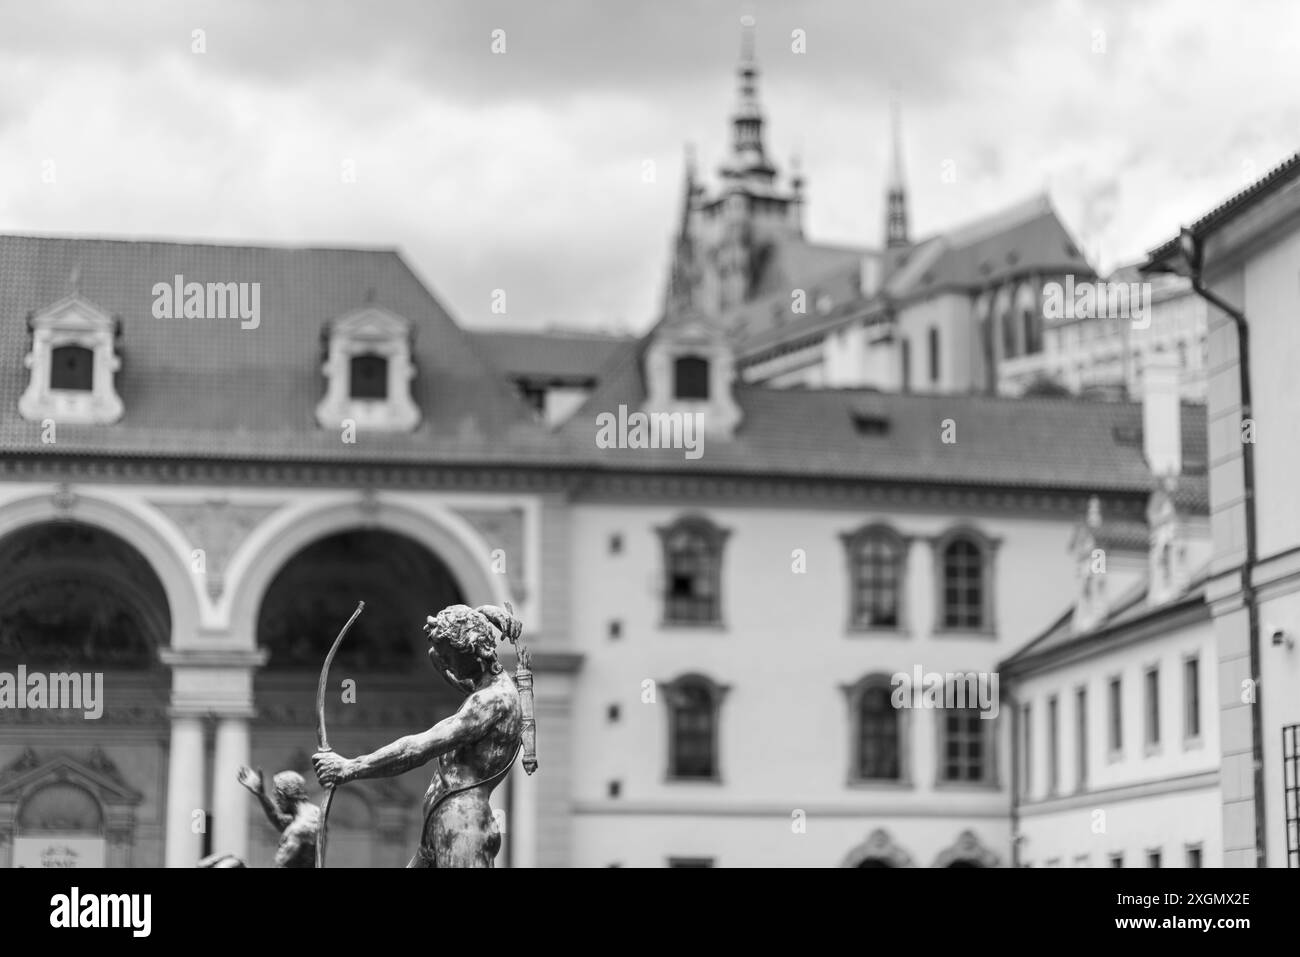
x=1191, y=250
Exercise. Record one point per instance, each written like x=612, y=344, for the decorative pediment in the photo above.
x=97, y=775
x=879, y=849
x=967, y=851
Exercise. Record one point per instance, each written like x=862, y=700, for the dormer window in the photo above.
x=691, y=378
x=689, y=368
x=368, y=371
x=72, y=360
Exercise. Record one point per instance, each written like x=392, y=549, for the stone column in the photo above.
x=230, y=801
x=185, y=789
x=212, y=679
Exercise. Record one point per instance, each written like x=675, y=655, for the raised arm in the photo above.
x=474, y=719
x=252, y=781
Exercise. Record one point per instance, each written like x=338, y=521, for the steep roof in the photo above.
x=1130, y=609
x=1025, y=237
x=1015, y=442
x=557, y=354
x=1272, y=181
x=207, y=386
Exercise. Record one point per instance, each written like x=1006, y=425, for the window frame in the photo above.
x=1192, y=700
x=987, y=548
x=853, y=694
x=674, y=696
x=853, y=543
x=989, y=738
x=715, y=539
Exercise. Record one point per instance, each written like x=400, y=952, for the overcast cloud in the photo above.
x=523, y=171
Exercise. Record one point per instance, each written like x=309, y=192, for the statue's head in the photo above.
x=290, y=790
x=463, y=641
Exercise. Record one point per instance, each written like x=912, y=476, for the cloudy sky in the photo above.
x=527, y=170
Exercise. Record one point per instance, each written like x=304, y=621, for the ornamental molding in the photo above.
x=215, y=529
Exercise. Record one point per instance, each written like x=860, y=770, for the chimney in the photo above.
x=1162, y=436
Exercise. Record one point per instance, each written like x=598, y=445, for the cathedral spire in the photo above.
x=895, y=193
x=749, y=156
x=683, y=275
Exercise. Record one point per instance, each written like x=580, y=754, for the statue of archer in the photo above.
x=474, y=748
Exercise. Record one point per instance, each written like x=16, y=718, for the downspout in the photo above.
x=1016, y=758
x=1248, y=596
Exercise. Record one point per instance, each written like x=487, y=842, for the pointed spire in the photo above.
x=895, y=193
x=683, y=277
x=747, y=121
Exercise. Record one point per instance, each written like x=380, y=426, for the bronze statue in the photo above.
x=474, y=748
x=296, y=818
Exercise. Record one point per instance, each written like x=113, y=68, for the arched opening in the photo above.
x=381, y=685
x=316, y=591
x=74, y=596
x=59, y=825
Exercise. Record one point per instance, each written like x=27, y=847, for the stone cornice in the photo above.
x=579, y=481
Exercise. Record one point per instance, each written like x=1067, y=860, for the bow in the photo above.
x=321, y=741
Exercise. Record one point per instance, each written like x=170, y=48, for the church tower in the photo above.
x=729, y=237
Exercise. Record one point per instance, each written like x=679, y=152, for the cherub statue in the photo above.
x=290, y=813
x=473, y=749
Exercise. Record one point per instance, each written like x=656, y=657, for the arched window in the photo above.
x=877, y=558
x=693, y=565
x=965, y=581
x=694, y=703
x=1032, y=330
x=691, y=378
x=878, y=732
x=368, y=377
x=72, y=368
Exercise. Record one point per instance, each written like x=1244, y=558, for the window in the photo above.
x=1152, y=683
x=368, y=366
x=1117, y=860
x=72, y=368
x=965, y=581
x=1081, y=738
x=905, y=356
x=693, y=563
x=965, y=746
x=1082, y=860
x=878, y=732
x=74, y=359
x=876, y=564
x=1053, y=746
x=1026, y=751
x=368, y=378
x=1192, y=698
x=1194, y=855
x=934, y=355
x=690, y=862
x=1116, y=718
x=691, y=378
x=693, y=706
x=1153, y=858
